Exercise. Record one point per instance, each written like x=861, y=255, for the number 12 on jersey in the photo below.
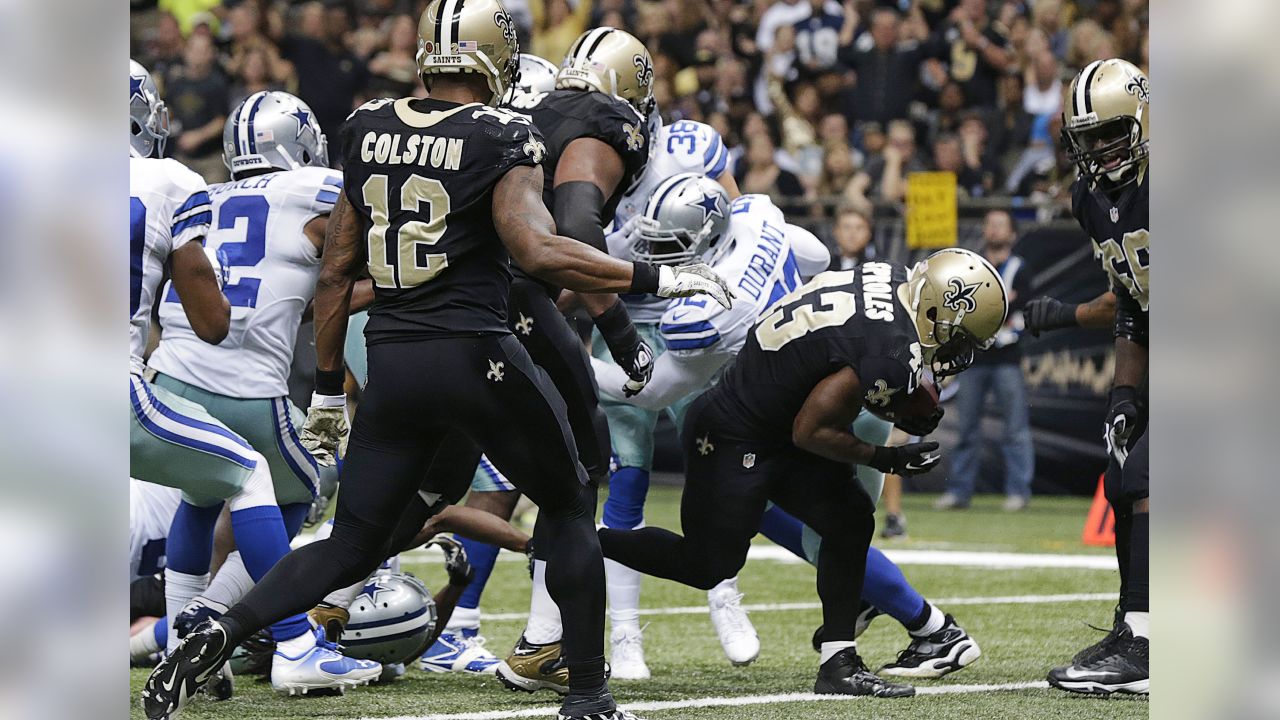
x=409, y=264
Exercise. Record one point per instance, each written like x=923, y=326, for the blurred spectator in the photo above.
x=249, y=34
x=254, y=76
x=196, y=93
x=1036, y=159
x=997, y=371
x=885, y=72
x=839, y=181
x=394, y=71
x=834, y=128
x=1043, y=86
x=945, y=119
x=976, y=50
x=1047, y=18
x=852, y=232
x=556, y=25
x=758, y=172
x=1009, y=126
x=330, y=78
x=189, y=12
x=799, y=115
x=679, y=36
x=948, y=157
x=888, y=172
x=166, y=50
x=977, y=157
x=783, y=13
x=818, y=35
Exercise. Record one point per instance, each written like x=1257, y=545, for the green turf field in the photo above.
x=1020, y=640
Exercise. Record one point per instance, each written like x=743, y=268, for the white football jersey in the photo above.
x=168, y=207
x=151, y=509
x=681, y=147
x=768, y=259
x=257, y=229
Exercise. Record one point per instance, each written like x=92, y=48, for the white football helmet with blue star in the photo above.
x=273, y=130
x=148, y=117
x=686, y=217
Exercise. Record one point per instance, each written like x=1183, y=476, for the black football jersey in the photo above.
x=1121, y=233
x=849, y=318
x=563, y=116
x=421, y=175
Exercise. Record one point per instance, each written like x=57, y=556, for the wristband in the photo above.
x=881, y=459
x=644, y=278
x=616, y=328
x=330, y=382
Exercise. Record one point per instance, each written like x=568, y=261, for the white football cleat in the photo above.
x=322, y=667
x=626, y=662
x=737, y=635
x=461, y=651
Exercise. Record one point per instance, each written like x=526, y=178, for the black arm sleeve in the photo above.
x=578, y=211
x=1131, y=319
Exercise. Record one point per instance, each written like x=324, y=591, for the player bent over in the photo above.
x=777, y=429
x=438, y=191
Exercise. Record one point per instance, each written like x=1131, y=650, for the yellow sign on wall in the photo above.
x=931, y=210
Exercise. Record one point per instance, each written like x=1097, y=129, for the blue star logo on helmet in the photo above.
x=710, y=205
x=135, y=88
x=304, y=120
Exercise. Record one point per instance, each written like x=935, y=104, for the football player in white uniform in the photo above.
x=173, y=425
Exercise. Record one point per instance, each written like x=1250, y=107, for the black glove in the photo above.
x=910, y=459
x=455, y=560
x=1046, y=313
x=1122, y=417
x=920, y=426
x=632, y=354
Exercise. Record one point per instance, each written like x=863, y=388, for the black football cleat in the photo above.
x=1121, y=665
x=593, y=707
x=845, y=674
x=935, y=655
x=179, y=676
x=895, y=526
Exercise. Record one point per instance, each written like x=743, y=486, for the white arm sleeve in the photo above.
x=675, y=375
x=812, y=255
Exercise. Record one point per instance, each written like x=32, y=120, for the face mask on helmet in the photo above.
x=1110, y=149
x=148, y=116
x=685, y=219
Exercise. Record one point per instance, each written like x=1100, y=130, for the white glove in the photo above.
x=325, y=431
x=689, y=280
x=217, y=260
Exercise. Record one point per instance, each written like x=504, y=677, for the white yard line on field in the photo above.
x=776, y=607
x=723, y=702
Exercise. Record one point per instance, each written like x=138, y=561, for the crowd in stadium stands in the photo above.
x=825, y=105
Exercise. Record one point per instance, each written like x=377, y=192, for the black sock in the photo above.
x=921, y=617
x=1137, y=584
x=587, y=677
x=1124, y=539
x=239, y=623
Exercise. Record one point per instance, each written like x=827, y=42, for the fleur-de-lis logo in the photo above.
x=1139, y=86
x=644, y=69
x=635, y=136
x=535, y=149
x=880, y=394
x=960, y=296
x=704, y=445
x=495, y=371
x=508, y=28
x=525, y=325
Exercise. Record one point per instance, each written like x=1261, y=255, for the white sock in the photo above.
x=544, y=615
x=829, y=649
x=230, y=584
x=343, y=597
x=623, y=586
x=294, y=647
x=1139, y=623
x=463, y=619
x=257, y=490
x=725, y=586
x=142, y=644
x=936, y=620
x=179, y=588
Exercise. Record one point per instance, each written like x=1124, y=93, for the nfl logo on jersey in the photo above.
x=749, y=460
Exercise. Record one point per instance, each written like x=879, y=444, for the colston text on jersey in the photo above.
x=422, y=150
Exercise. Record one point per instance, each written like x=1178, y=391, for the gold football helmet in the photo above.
x=476, y=36
x=959, y=303
x=613, y=62
x=1105, y=127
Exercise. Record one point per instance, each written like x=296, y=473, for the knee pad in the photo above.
x=257, y=490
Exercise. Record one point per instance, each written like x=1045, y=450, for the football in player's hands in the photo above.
x=916, y=414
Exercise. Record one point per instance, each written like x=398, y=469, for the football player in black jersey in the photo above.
x=1105, y=128
x=777, y=429
x=440, y=194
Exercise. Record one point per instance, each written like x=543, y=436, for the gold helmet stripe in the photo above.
x=1080, y=103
